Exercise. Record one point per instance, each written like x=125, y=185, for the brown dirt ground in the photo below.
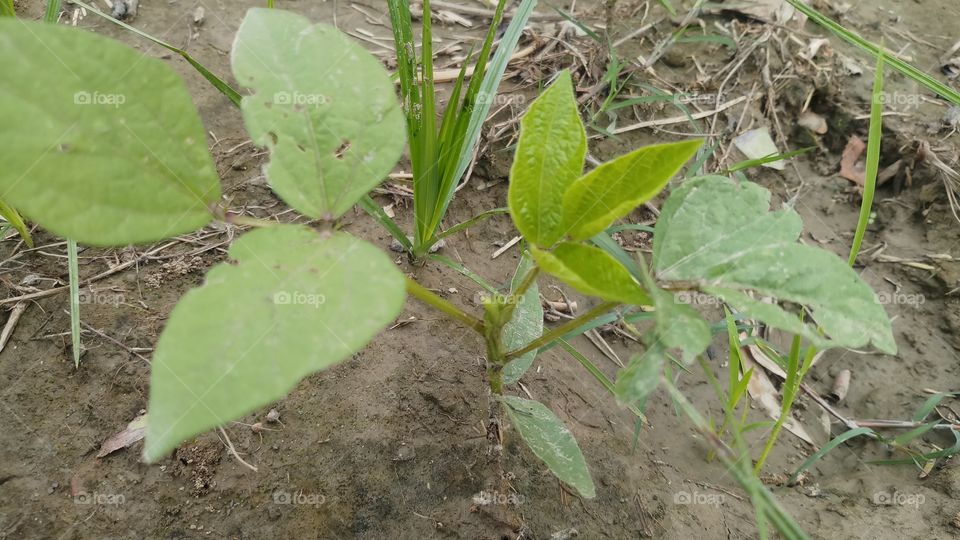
x=390, y=444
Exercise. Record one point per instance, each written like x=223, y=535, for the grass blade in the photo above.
x=74, y=264
x=6, y=8
x=668, y=5
x=371, y=207
x=840, y=439
x=766, y=505
x=52, y=12
x=13, y=217
x=597, y=374
x=873, y=160
x=481, y=96
x=903, y=67
x=454, y=265
x=217, y=82
x=751, y=163
x=472, y=221
x=929, y=405
x=904, y=438
x=427, y=183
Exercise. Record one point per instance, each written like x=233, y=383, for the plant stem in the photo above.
x=74, y=271
x=562, y=330
x=428, y=297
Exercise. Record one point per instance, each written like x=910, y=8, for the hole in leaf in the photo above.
x=342, y=149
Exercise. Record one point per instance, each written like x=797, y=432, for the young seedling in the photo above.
x=293, y=300
x=441, y=156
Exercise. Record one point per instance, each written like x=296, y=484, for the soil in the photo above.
x=391, y=444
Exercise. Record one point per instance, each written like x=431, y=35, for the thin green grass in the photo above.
x=52, y=12
x=878, y=52
x=217, y=82
x=751, y=163
x=73, y=263
x=15, y=220
x=6, y=8
x=873, y=160
x=51, y=15
x=791, y=388
x=767, y=510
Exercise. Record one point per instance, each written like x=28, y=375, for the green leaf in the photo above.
x=289, y=303
x=323, y=106
x=550, y=156
x=525, y=325
x=6, y=8
x=551, y=441
x=641, y=377
x=718, y=235
x=106, y=149
x=591, y=271
x=615, y=188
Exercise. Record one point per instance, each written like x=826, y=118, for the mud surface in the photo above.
x=391, y=444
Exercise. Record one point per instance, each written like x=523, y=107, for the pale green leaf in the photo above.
x=592, y=271
x=550, y=441
x=290, y=302
x=549, y=157
x=324, y=107
x=525, y=325
x=641, y=376
x=105, y=148
x=615, y=188
x=719, y=235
